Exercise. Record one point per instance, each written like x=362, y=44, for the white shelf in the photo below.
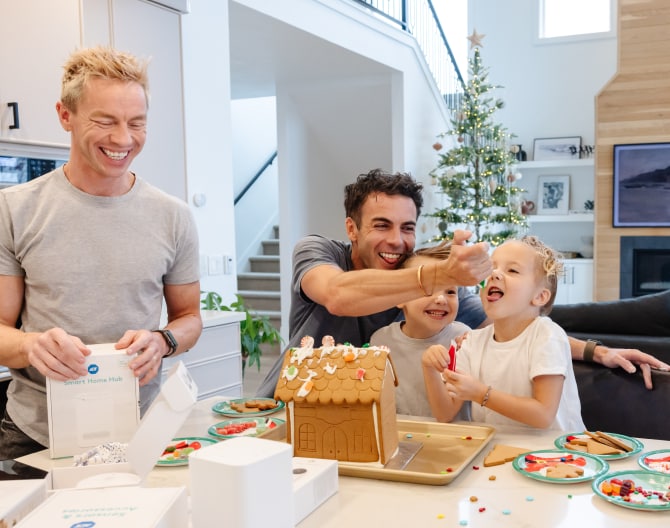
x=576, y=217
x=555, y=164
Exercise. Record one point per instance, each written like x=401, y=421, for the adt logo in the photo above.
x=93, y=368
x=85, y=524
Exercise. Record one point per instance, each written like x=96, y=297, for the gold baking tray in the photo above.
x=446, y=450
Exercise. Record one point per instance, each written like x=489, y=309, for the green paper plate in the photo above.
x=168, y=459
x=259, y=426
x=646, y=461
x=223, y=408
x=649, y=481
x=634, y=443
x=593, y=466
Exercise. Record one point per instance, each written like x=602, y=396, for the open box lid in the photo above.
x=157, y=428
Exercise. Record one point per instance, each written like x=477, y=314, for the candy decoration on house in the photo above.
x=476, y=173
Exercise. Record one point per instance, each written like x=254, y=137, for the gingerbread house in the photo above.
x=340, y=401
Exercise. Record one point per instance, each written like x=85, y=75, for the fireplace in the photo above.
x=645, y=265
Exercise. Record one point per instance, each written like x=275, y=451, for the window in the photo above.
x=575, y=18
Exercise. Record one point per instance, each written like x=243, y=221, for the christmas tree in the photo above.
x=477, y=175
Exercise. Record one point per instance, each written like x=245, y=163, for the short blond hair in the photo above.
x=439, y=252
x=549, y=267
x=100, y=62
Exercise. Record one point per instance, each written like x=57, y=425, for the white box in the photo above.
x=314, y=482
x=244, y=482
x=158, y=427
x=19, y=497
x=103, y=406
x=131, y=507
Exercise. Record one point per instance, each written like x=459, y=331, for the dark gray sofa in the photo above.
x=613, y=400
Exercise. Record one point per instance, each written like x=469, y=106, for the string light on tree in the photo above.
x=477, y=174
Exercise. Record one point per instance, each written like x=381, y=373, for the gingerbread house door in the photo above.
x=335, y=444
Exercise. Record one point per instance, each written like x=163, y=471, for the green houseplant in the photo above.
x=255, y=329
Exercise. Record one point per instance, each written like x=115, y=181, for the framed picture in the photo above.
x=641, y=185
x=561, y=148
x=553, y=195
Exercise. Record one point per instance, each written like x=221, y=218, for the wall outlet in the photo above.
x=216, y=265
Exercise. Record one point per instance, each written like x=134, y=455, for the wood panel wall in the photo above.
x=634, y=107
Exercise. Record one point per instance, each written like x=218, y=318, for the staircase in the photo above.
x=260, y=286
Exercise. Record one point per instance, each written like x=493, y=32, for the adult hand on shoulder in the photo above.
x=467, y=265
x=627, y=358
x=56, y=354
x=149, y=347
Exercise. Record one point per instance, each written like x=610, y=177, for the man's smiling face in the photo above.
x=387, y=232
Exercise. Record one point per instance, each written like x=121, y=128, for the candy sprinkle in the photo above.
x=507, y=512
x=529, y=499
x=475, y=468
x=482, y=510
x=463, y=522
x=473, y=498
x=492, y=477
x=408, y=435
x=440, y=515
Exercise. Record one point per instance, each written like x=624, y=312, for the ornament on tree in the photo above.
x=477, y=175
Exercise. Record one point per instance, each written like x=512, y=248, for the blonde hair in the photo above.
x=100, y=63
x=439, y=252
x=549, y=267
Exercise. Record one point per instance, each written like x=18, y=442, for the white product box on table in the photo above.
x=19, y=497
x=103, y=406
x=245, y=481
x=158, y=427
x=129, y=507
x=314, y=482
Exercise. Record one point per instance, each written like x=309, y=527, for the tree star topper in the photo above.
x=476, y=39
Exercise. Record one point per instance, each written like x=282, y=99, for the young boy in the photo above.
x=519, y=369
x=428, y=320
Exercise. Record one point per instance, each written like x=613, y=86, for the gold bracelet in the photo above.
x=486, y=396
x=418, y=279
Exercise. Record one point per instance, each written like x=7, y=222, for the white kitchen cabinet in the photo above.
x=36, y=38
x=576, y=284
x=215, y=362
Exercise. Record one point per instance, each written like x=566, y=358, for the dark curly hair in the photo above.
x=375, y=182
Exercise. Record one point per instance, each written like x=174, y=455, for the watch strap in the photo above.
x=589, y=349
x=169, y=339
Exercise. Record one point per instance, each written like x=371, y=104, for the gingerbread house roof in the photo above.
x=333, y=374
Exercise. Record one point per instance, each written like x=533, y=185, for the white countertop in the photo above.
x=218, y=317
x=509, y=500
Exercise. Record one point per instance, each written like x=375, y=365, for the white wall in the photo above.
x=549, y=89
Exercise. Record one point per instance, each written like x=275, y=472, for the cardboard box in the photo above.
x=158, y=427
x=112, y=507
x=314, y=482
x=19, y=497
x=103, y=406
x=245, y=479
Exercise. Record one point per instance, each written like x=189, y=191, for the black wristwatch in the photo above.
x=589, y=349
x=169, y=339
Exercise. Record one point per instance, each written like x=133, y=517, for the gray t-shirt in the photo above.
x=406, y=352
x=308, y=318
x=92, y=265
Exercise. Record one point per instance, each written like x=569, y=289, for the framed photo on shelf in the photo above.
x=560, y=148
x=553, y=195
x=641, y=176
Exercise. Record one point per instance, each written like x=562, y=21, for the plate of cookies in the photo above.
x=560, y=466
x=610, y=446
x=248, y=407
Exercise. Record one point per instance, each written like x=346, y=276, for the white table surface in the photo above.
x=368, y=502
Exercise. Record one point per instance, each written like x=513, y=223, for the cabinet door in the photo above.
x=576, y=285
x=37, y=37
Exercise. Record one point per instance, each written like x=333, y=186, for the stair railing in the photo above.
x=418, y=18
x=255, y=177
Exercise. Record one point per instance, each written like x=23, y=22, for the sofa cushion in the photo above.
x=648, y=315
x=617, y=402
